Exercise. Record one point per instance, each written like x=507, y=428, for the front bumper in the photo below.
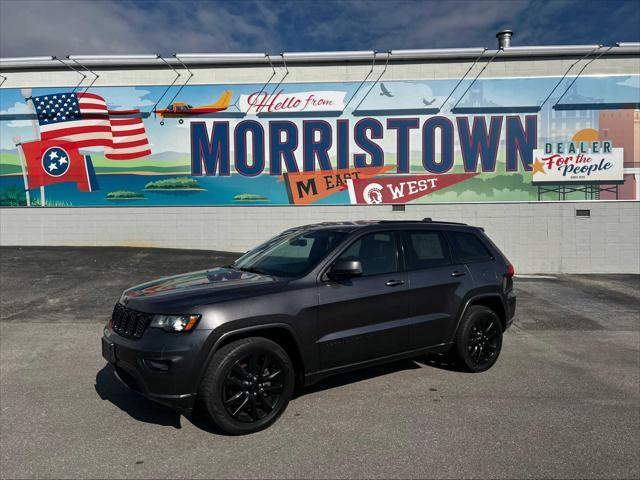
x=183, y=403
x=161, y=366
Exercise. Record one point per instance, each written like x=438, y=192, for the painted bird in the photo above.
x=385, y=92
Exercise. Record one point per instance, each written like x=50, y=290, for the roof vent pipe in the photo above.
x=504, y=38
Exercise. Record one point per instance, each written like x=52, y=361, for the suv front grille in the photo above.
x=129, y=323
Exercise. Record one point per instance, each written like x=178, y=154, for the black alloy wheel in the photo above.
x=478, y=340
x=482, y=340
x=247, y=385
x=253, y=387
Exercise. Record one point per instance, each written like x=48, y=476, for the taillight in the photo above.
x=510, y=271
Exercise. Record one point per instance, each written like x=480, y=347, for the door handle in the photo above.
x=458, y=273
x=394, y=283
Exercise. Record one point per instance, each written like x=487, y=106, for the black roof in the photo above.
x=356, y=224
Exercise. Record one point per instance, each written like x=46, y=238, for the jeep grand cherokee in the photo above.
x=313, y=301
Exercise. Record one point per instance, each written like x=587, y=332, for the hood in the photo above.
x=181, y=293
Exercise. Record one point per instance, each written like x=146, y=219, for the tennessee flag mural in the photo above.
x=56, y=161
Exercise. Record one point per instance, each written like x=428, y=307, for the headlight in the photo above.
x=175, y=323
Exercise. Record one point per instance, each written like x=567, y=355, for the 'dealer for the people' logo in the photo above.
x=585, y=158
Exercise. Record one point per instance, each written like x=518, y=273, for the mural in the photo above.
x=427, y=141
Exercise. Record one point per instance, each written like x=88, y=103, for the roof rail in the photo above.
x=424, y=220
x=429, y=220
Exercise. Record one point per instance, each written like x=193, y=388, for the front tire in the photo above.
x=248, y=385
x=479, y=339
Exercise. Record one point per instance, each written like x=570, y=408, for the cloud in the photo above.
x=19, y=108
x=632, y=81
x=61, y=27
x=124, y=97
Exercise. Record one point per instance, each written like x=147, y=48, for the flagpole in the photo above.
x=16, y=140
x=26, y=93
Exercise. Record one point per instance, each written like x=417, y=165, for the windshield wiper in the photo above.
x=251, y=270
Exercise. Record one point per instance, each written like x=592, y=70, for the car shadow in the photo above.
x=347, y=378
x=443, y=362
x=109, y=388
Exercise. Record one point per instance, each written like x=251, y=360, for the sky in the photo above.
x=73, y=27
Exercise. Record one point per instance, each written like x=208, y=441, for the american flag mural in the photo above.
x=85, y=119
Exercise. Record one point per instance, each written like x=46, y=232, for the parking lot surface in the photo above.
x=562, y=401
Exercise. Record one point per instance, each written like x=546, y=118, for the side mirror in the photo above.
x=343, y=269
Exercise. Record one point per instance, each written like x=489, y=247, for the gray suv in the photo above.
x=311, y=302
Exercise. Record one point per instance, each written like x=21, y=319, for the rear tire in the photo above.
x=478, y=341
x=247, y=385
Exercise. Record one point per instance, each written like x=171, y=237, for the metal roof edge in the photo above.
x=251, y=59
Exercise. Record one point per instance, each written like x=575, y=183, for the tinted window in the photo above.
x=467, y=247
x=376, y=252
x=425, y=249
x=291, y=253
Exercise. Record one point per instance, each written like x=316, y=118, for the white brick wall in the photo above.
x=536, y=237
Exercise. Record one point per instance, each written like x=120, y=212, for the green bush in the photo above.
x=124, y=194
x=178, y=183
x=14, y=196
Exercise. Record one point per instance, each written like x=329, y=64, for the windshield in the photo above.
x=291, y=253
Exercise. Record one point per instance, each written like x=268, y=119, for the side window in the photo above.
x=467, y=247
x=376, y=252
x=425, y=249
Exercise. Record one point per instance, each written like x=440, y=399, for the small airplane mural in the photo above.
x=385, y=92
x=180, y=109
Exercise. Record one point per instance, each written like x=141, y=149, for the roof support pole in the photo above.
x=477, y=76
x=566, y=73
x=73, y=70
x=96, y=76
x=153, y=109
x=373, y=64
x=580, y=73
x=186, y=81
x=375, y=82
x=463, y=77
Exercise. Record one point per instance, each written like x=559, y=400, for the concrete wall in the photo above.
x=536, y=237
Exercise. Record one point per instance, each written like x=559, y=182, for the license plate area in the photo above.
x=108, y=351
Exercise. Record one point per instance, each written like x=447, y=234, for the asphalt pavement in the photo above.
x=563, y=401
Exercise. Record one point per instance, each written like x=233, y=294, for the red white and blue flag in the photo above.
x=85, y=119
x=57, y=161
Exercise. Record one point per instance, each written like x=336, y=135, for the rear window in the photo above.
x=467, y=247
x=425, y=249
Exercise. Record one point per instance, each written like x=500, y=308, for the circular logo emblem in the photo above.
x=372, y=193
x=55, y=161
